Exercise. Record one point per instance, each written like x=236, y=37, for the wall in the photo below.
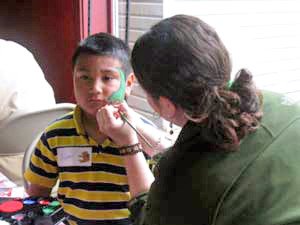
x=144, y=13
x=262, y=35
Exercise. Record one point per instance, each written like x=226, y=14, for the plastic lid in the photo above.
x=11, y=206
x=18, y=216
x=48, y=210
x=29, y=202
x=44, y=202
x=54, y=203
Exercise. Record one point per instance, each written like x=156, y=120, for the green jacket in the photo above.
x=257, y=185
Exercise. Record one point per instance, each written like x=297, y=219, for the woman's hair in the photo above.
x=183, y=59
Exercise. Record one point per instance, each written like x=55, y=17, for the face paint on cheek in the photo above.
x=119, y=95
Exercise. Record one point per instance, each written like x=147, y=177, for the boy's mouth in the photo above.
x=97, y=101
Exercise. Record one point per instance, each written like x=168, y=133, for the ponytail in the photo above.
x=235, y=110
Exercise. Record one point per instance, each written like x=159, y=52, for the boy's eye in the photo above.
x=107, y=78
x=84, y=77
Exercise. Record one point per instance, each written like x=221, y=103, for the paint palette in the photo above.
x=30, y=211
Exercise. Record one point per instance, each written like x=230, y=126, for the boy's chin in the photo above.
x=90, y=112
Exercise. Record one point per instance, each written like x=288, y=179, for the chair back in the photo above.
x=18, y=132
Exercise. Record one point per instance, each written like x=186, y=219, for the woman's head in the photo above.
x=183, y=59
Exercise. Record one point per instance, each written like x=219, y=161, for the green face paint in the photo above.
x=47, y=211
x=119, y=95
x=54, y=203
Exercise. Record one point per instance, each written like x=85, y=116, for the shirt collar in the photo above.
x=81, y=131
x=78, y=121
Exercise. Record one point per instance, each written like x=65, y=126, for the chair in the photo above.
x=19, y=133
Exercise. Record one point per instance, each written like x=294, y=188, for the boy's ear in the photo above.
x=129, y=84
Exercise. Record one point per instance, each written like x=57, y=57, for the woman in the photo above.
x=236, y=160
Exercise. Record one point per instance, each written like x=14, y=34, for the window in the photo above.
x=261, y=35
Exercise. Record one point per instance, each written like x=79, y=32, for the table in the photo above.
x=10, y=189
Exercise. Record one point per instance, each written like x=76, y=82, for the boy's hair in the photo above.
x=104, y=44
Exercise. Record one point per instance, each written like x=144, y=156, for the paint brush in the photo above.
x=123, y=116
x=119, y=96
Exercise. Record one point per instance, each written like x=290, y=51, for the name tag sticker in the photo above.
x=74, y=156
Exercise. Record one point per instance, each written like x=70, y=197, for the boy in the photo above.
x=93, y=186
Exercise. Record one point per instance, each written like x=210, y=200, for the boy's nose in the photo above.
x=97, y=86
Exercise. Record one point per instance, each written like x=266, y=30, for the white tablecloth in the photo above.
x=10, y=189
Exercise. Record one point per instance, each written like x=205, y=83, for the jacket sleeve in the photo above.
x=137, y=207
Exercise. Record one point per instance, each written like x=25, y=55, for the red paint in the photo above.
x=44, y=202
x=11, y=206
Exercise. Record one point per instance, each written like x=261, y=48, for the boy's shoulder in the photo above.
x=64, y=121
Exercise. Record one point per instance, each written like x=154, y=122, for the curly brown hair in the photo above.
x=183, y=59
x=235, y=112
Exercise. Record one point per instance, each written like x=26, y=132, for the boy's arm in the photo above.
x=38, y=190
x=41, y=174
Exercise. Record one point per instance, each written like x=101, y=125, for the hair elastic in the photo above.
x=229, y=84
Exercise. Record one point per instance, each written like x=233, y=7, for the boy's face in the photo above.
x=95, y=78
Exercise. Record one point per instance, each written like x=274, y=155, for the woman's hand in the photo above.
x=111, y=123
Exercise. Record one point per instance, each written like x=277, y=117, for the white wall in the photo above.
x=144, y=13
x=262, y=35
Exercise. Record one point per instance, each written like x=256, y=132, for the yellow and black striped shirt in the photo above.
x=93, y=187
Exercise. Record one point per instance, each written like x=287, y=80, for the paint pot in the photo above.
x=47, y=210
x=54, y=203
x=44, y=202
x=29, y=202
x=18, y=217
x=11, y=206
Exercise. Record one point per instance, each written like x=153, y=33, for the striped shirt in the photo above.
x=93, y=186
